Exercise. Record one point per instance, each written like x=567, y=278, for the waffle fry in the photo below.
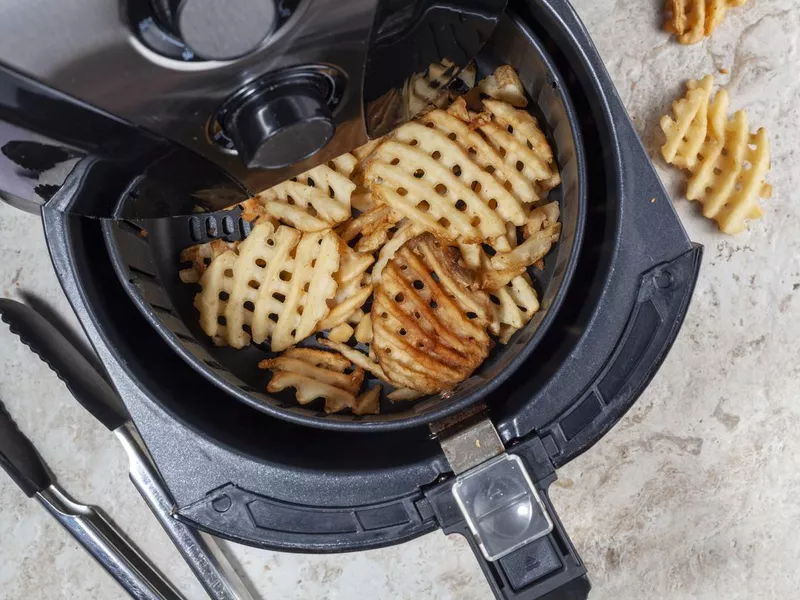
x=524, y=146
x=415, y=174
x=352, y=288
x=727, y=163
x=358, y=358
x=513, y=306
x=276, y=289
x=692, y=20
x=504, y=85
x=531, y=250
x=423, y=335
x=406, y=231
x=315, y=200
x=368, y=403
x=687, y=132
x=316, y=374
x=372, y=228
x=201, y=257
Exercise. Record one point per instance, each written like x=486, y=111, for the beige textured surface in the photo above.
x=694, y=494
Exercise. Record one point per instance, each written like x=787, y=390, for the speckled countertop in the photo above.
x=695, y=494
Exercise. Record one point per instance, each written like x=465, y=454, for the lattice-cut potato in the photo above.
x=315, y=200
x=429, y=318
x=516, y=135
x=201, y=256
x=317, y=374
x=692, y=20
x=727, y=163
x=353, y=288
x=687, y=131
x=371, y=228
x=275, y=290
x=504, y=85
x=512, y=307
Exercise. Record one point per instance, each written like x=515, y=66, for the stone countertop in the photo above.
x=693, y=495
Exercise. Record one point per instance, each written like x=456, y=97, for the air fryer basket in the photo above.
x=145, y=256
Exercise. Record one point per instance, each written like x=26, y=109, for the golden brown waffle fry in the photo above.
x=406, y=231
x=516, y=135
x=426, y=176
x=481, y=152
x=352, y=288
x=531, y=250
x=687, y=132
x=201, y=256
x=356, y=357
x=372, y=226
x=275, y=290
x=428, y=318
x=316, y=200
x=513, y=306
x=692, y=20
x=727, y=163
x=316, y=374
x=504, y=84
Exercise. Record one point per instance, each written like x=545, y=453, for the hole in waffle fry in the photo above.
x=472, y=315
x=306, y=286
x=494, y=299
x=384, y=315
x=520, y=165
x=331, y=192
x=413, y=142
x=223, y=295
x=420, y=345
x=434, y=276
x=461, y=205
x=221, y=320
x=489, y=250
x=395, y=162
x=416, y=314
x=246, y=328
x=456, y=170
x=313, y=263
x=476, y=186
x=260, y=262
x=419, y=173
x=228, y=273
x=418, y=284
x=717, y=171
x=311, y=182
x=399, y=298
x=489, y=169
x=299, y=310
x=436, y=155
x=403, y=267
x=290, y=200
x=285, y=276
x=502, y=152
x=279, y=297
x=510, y=129
x=472, y=152
x=402, y=331
x=475, y=221
x=388, y=350
x=433, y=304
x=430, y=125
x=445, y=223
x=441, y=189
x=452, y=135
x=507, y=185
x=492, y=203
x=423, y=206
x=273, y=317
x=249, y=306
x=530, y=145
x=311, y=210
x=254, y=284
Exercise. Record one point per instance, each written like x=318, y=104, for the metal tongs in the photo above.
x=99, y=536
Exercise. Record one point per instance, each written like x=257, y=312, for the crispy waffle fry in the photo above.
x=513, y=306
x=426, y=176
x=372, y=226
x=516, y=135
x=356, y=357
x=315, y=200
x=201, y=256
x=687, y=132
x=275, y=290
x=531, y=250
x=727, y=163
x=316, y=374
x=406, y=231
x=423, y=335
x=352, y=288
x=692, y=20
x=730, y=177
x=504, y=84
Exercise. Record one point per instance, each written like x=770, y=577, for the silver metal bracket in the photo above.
x=493, y=490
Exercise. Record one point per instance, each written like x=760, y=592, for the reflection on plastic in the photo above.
x=501, y=506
